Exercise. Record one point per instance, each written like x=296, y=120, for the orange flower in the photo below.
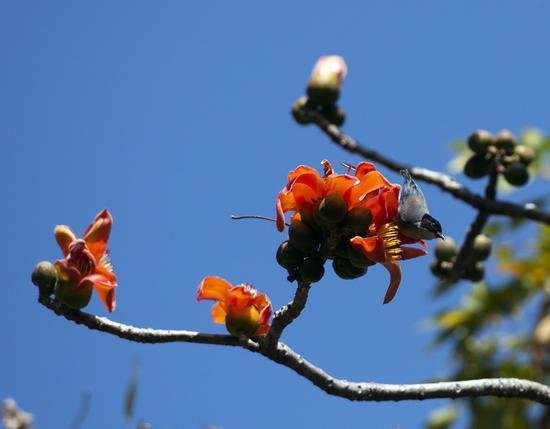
x=241, y=307
x=86, y=265
x=380, y=242
x=305, y=187
x=385, y=248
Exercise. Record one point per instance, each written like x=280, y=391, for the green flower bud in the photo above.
x=334, y=114
x=72, y=296
x=307, y=215
x=312, y=270
x=302, y=237
x=505, y=140
x=476, y=167
x=445, y=250
x=481, y=248
x=516, y=174
x=288, y=256
x=359, y=219
x=333, y=208
x=44, y=275
x=346, y=270
x=299, y=111
x=525, y=153
x=475, y=272
x=441, y=269
x=480, y=141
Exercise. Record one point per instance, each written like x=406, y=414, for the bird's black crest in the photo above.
x=431, y=224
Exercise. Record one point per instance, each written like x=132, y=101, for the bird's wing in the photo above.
x=415, y=206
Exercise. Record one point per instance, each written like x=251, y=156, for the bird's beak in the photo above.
x=439, y=235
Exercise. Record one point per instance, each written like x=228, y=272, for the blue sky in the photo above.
x=175, y=115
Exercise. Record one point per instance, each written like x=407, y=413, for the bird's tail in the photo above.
x=406, y=174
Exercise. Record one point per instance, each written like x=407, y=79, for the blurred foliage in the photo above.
x=501, y=328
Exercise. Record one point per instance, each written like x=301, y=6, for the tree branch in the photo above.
x=284, y=355
x=463, y=258
x=442, y=181
x=140, y=335
x=286, y=315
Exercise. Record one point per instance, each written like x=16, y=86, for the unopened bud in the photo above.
x=441, y=269
x=72, y=295
x=475, y=272
x=346, y=270
x=526, y=154
x=334, y=114
x=480, y=141
x=476, y=167
x=299, y=111
x=44, y=275
x=326, y=79
x=359, y=220
x=481, y=248
x=505, y=140
x=312, y=270
x=516, y=174
x=333, y=208
x=302, y=237
x=445, y=250
x=288, y=256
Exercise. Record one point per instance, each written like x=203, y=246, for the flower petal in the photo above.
x=340, y=183
x=298, y=171
x=373, y=247
x=280, y=214
x=407, y=240
x=103, y=270
x=369, y=182
x=263, y=305
x=262, y=330
x=241, y=296
x=97, y=234
x=395, y=279
x=218, y=313
x=67, y=273
x=64, y=237
x=105, y=289
x=412, y=252
x=307, y=188
x=364, y=168
x=214, y=288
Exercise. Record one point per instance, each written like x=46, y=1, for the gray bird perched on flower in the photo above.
x=413, y=217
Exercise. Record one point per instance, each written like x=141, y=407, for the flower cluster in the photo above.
x=86, y=265
x=241, y=308
x=350, y=219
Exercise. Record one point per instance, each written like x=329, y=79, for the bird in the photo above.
x=413, y=217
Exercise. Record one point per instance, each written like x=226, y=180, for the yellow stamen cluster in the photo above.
x=390, y=234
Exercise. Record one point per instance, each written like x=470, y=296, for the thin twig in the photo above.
x=284, y=355
x=442, y=181
x=286, y=315
x=464, y=256
x=235, y=217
